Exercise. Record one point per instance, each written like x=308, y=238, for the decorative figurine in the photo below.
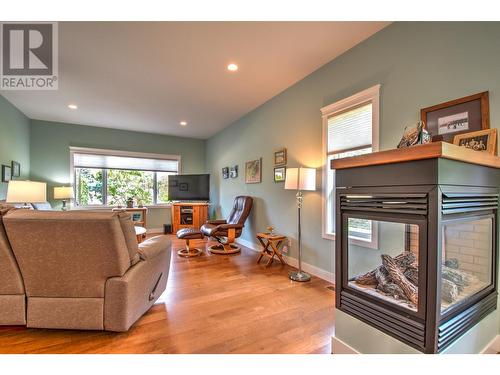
x=130, y=202
x=414, y=136
x=270, y=230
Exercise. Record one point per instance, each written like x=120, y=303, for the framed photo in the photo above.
x=253, y=171
x=6, y=173
x=280, y=157
x=482, y=140
x=444, y=121
x=279, y=174
x=225, y=173
x=233, y=172
x=16, y=169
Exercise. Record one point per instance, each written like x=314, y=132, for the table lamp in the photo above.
x=26, y=192
x=63, y=193
x=300, y=179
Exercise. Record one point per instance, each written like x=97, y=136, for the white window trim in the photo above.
x=372, y=244
x=131, y=154
x=372, y=95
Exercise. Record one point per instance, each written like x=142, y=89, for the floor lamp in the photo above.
x=300, y=179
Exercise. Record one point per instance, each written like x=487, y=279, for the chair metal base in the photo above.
x=299, y=276
x=224, y=249
x=189, y=253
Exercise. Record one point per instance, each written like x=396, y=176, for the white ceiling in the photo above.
x=149, y=76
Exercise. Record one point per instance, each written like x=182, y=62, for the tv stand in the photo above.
x=189, y=215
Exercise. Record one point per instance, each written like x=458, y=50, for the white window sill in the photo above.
x=329, y=236
x=373, y=244
x=111, y=207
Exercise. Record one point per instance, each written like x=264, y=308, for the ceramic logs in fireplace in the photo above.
x=417, y=252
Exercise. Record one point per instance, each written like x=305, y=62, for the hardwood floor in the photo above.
x=213, y=304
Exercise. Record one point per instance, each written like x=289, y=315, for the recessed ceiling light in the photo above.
x=72, y=106
x=183, y=123
x=232, y=67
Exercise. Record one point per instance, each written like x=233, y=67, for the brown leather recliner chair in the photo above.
x=226, y=231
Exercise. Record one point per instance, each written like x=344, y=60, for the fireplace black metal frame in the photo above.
x=442, y=183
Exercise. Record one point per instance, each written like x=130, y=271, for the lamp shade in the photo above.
x=300, y=179
x=63, y=192
x=26, y=192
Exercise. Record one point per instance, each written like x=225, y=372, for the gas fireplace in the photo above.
x=417, y=251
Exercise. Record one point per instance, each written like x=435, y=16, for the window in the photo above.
x=350, y=128
x=109, y=178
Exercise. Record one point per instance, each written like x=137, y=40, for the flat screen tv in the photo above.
x=189, y=187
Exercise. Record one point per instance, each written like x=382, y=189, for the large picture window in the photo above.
x=109, y=178
x=350, y=128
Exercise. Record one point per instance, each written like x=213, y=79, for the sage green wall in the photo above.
x=50, y=161
x=418, y=64
x=14, y=140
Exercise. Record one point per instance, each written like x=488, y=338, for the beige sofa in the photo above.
x=84, y=269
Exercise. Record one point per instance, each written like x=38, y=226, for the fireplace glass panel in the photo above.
x=387, y=267
x=467, y=252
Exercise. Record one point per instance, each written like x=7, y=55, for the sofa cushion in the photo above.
x=154, y=246
x=67, y=253
x=130, y=238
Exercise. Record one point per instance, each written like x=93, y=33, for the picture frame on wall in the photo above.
x=280, y=157
x=464, y=115
x=253, y=171
x=482, y=140
x=16, y=169
x=233, y=171
x=225, y=173
x=279, y=174
x=6, y=173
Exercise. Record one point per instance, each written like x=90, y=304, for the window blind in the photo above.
x=84, y=160
x=350, y=130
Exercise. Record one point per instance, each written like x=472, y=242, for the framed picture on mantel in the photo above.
x=444, y=121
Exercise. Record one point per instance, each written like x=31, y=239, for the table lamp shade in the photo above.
x=26, y=192
x=300, y=179
x=63, y=192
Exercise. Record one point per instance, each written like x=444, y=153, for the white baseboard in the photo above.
x=313, y=270
x=340, y=347
x=493, y=346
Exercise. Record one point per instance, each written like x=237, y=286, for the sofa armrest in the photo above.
x=129, y=296
x=153, y=246
x=216, y=222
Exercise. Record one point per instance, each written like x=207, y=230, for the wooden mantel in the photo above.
x=428, y=151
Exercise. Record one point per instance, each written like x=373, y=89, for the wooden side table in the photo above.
x=140, y=233
x=271, y=246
